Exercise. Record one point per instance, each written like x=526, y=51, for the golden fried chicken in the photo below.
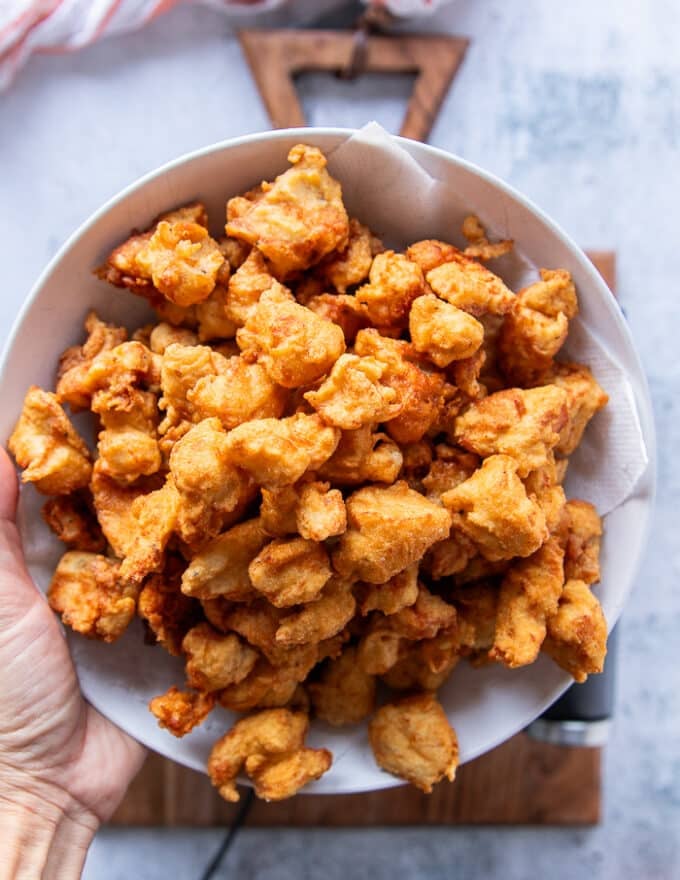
x=479, y=245
x=522, y=424
x=412, y=738
x=419, y=391
x=128, y=442
x=350, y=266
x=246, y=286
x=443, y=332
x=277, y=452
x=290, y=571
x=258, y=739
x=343, y=310
x=394, y=283
x=321, y=619
x=182, y=368
x=465, y=283
x=425, y=664
x=75, y=362
x=164, y=335
x=430, y=253
x=344, y=693
x=363, y=456
x=213, y=322
x=582, y=552
x=181, y=711
x=536, y=326
x=181, y=260
x=320, y=512
x=167, y=612
x=154, y=519
x=398, y=592
x=220, y=568
x=544, y=485
x=451, y=467
x=47, y=446
x=584, y=398
x=493, y=510
x=91, y=596
x=528, y=597
x=389, y=528
x=216, y=660
x=73, y=520
x=299, y=218
x=577, y=632
x=294, y=345
x=113, y=506
x=353, y=395
x=476, y=609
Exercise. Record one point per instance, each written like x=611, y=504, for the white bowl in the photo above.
x=487, y=705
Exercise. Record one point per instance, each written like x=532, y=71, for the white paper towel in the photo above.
x=612, y=457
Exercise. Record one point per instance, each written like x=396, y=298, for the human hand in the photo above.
x=63, y=766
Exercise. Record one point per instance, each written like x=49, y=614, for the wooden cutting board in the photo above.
x=521, y=782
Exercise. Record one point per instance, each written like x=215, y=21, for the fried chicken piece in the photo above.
x=479, y=568
x=353, y=395
x=528, y=597
x=544, y=485
x=255, y=742
x=344, y=694
x=290, y=571
x=476, y=609
x=382, y=643
x=362, y=456
x=279, y=777
x=246, y=286
x=128, y=444
x=215, y=660
x=389, y=528
x=584, y=398
x=241, y=392
x=182, y=369
x=267, y=687
x=294, y=345
x=582, y=554
x=394, y=283
x=341, y=309
x=181, y=711
x=298, y=219
x=73, y=521
x=412, y=739
x=465, y=374
x=154, y=519
x=450, y=468
x=577, y=632
x=443, y=332
x=321, y=619
x=424, y=665
x=277, y=452
x=164, y=335
x=430, y=253
x=74, y=364
x=209, y=485
x=121, y=268
x=398, y=592
x=211, y=315
x=522, y=424
x=47, y=446
x=181, y=260
x=220, y=568
x=479, y=245
x=466, y=284
x=418, y=390
x=91, y=596
x=321, y=512
x=493, y=510
x=536, y=326
x=113, y=507
x=449, y=556
x=168, y=613
x=350, y=266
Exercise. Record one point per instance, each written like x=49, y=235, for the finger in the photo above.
x=9, y=488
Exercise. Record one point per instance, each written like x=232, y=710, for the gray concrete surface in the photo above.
x=577, y=105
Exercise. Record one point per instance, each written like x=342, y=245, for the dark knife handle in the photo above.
x=581, y=716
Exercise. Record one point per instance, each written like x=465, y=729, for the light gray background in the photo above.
x=578, y=106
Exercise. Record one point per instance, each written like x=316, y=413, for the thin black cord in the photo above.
x=230, y=836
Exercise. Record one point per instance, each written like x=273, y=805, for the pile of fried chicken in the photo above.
x=327, y=470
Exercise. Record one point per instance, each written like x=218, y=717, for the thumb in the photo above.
x=18, y=593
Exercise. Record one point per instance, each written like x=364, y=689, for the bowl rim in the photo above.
x=643, y=400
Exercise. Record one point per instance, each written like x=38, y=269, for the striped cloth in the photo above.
x=55, y=26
